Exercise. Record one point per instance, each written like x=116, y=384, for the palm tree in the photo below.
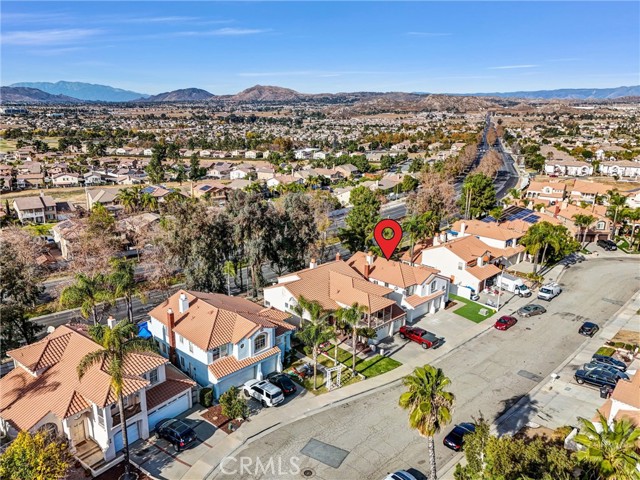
x=123, y=284
x=420, y=227
x=612, y=451
x=314, y=334
x=148, y=202
x=129, y=198
x=87, y=292
x=430, y=406
x=116, y=344
x=515, y=194
x=583, y=222
x=616, y=202
x=350, y=317
x=533, y=241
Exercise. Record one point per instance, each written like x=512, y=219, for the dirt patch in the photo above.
x=214, y=415
x=627, y=336
x=530, y=432
x=450, y=305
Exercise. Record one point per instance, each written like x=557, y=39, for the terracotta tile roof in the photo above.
x=581, y=186
x=466, y=248
x=392, y=272
x=632, y=415
x=487, y=230
x=605, y=410
x=484, y=272
x=176, y=382
x=26, y=398
x=628, y=392
x=213, y=319
x=415, y=300
x=227, y=365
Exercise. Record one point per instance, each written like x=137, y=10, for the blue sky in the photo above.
x=312, y=47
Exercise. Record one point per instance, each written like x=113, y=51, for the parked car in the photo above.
x=266, y=393
x=588, y=329
x=607, y=244
x=597, y=377
x=283, y=382
x=455, y=438
x=609, y=361
x=619, y=374
x=400, y=475
x=549, y=291
x=421, y=336
x=505, y=322
x=531, y=310
x=176, y=432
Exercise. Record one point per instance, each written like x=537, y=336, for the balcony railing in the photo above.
x=380, y=318
x=129, y=412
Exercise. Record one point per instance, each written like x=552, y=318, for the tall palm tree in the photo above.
x=314, y=334
x=87, y=292
x=430, y=406
x=350, y=317
x=533, y=241
x=583, y=222
x=148, y=202
x=415, y=226
x=612, y=451
x=515, y=194
x=617, y=201
x=123, y=284
x=116, y=345
x=129, y=198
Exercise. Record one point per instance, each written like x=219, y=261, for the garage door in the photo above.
x=169, y=410
x=238, y=379
x=132, y=436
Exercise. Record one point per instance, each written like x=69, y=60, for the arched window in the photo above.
x=601, y=226
x=260, y=342
x=50, y=429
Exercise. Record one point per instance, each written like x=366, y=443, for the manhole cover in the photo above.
x=307, y=472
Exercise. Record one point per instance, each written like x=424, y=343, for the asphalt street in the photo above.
x=489, y=374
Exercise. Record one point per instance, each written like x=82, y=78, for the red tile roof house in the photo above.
x=43, y=392
x=220, y=340
x=334, y=285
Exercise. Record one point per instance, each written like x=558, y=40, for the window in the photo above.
x=182, y=362
x=163, y=348
x=460, y=266
x=164, y=332
x=434, y=285
x=100, y=417
x=191, y=347
x=153, y=376
x=286, y=305
x=600, y=226
x=260, y=342
x=267, y=303
x=181, y=338
x=50, y=429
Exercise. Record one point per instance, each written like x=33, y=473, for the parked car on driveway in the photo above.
x=455, y=438
x=597, y=377
x=609, y=361
x=266, y=393
x=400, y=475
x=608, y=245
x=588, y=329
x=421, y=336
x=176, y=432
x=283, y=382
x=505, y=322
x=531, y=310
x=619, y=374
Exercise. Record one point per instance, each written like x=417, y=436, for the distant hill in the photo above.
x=569, y=93
x=32, y=95
x=266, y=93
x=183, y=95
x=84, y=91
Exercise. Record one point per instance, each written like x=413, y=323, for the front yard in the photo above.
x=471, y=310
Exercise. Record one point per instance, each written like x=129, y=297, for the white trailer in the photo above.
x=514, y=285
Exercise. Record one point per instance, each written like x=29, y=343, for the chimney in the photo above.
x=556, y=211
x=183, y=303
x=370, y=258
x=338, y=257
x=480, y=261
x=313, y=263
x=463, y=228
x=111, y=322
x=436, y=240
x=367, y=271
x=443, y=237
x=171, y=323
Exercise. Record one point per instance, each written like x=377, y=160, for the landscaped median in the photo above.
x=471, y=310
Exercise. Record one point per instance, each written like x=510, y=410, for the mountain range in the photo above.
x=74, y=92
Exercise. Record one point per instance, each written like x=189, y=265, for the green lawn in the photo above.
x=345, y=378
x=471, y=310
x=376, y=365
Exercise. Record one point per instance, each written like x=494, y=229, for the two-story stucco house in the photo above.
x=220, y=340
x=417, y=289
x=43, y=392
x=37, y=209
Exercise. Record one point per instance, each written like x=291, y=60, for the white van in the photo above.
x=549, y=291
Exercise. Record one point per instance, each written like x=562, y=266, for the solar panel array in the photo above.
x=519, y=213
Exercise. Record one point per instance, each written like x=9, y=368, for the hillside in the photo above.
x=182, y=95
x=266, y=93
x=32, y=95
x=84, y=91
x=569, y=93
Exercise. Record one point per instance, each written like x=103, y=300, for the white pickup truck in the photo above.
x=549, y=291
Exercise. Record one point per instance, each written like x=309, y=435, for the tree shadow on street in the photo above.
x=515, y=413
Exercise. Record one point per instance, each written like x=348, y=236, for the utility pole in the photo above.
x=499, y=290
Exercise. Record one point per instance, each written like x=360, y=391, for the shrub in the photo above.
x=206, y=397
x=608, y=351
x=233, y=405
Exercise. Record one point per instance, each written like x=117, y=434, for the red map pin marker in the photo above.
x=389, y=245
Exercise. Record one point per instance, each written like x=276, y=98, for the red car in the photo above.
x=505, y=322
x=421, y=336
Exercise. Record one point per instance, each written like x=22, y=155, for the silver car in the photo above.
x=531, y=310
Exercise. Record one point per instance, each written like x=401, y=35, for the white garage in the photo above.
x=170, y=409
x=133, y=434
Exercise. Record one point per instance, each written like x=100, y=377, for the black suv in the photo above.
x=609, y=361
x=176, y=432
x=598, y=377
x=607, y=244
x=283, y=382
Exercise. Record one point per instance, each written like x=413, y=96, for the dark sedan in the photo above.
x=609, y=361
x=597, y=377
x=588, y=329
x=619, y=374
x=176, y=432
x=455, y=438
x=283, y=382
